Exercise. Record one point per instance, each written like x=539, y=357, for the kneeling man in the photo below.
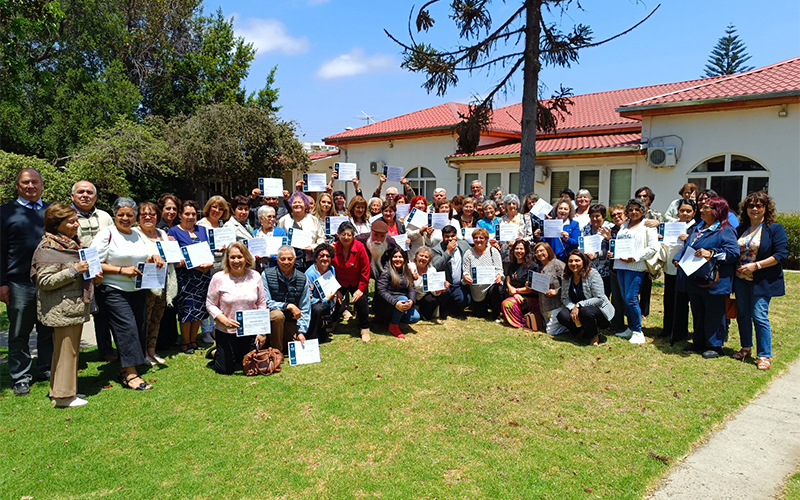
x=288, y=300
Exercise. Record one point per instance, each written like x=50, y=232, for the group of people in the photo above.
x=528, y=280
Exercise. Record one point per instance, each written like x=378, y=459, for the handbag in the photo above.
x=535, y=321
x=731, y=308
x=707, y=276
x=262, y=362
x=655, y=263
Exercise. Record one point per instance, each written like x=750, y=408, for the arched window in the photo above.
x=732, y=176
x=422, y=181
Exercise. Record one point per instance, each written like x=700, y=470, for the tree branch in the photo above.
x=620, y=34
x=487, y=63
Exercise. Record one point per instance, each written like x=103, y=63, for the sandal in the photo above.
x=764, y=363
x=187, y=348
x=743, y=353
x=126, y=381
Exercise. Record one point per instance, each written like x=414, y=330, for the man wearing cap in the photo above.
x=377, y=242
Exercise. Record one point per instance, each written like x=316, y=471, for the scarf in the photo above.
x=58, y=249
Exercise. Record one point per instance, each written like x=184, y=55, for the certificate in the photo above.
x=623, y=248
x=553, y=228
x=402, y=210
x=689, y=263
x=300, y=354
x=538, y=282
x=506, y=232
x=90, y=256
x=393, y=174
x=170, y=251
x=374, y=218
x=151, y=277
x=417, y=218
x=327, y=285
x=254, y=322
x=591, y=244
x=197, y=254
x=299, y=238
x=402, y=241
x=332, y=223
x=541, y=208
x=466, y=233
x=671, y=230
x=221, y=237
x=433, y=281
x=438, y=221
x=315, y=183
x=274, y=243
x=346, y=171
x=483, y=275
x=257, y=247
x=271, y=187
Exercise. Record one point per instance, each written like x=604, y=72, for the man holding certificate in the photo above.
x=289, y=300
x=237, y=288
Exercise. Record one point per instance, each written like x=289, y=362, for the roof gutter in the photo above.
x=700, y=102
x=545, y=154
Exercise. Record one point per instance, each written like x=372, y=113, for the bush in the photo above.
x=791, y=222
x=55, y=188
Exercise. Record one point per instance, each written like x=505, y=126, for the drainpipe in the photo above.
x=458, y=177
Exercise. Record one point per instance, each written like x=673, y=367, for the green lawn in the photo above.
x=467, y=409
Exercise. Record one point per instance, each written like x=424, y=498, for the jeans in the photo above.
x=22, y=317
x=127, y=317
x=456, y=301
x=618, y=321
x=753, y=310
x=411, y=316
x=629, y=283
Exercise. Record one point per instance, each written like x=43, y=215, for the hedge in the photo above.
x=791, y=222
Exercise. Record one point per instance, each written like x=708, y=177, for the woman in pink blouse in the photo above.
x=237, y=288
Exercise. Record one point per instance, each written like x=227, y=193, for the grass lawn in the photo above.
x=466, y=409
x=792, y=489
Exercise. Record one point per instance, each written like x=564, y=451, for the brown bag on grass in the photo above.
x=535, y=321
x=262, y=362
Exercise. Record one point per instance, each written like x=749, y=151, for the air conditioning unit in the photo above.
x=541, y=173
x=661, y=157
x=376, y=167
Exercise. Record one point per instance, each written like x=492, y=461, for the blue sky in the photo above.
x=334, y=60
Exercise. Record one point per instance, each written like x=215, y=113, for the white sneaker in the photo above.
x=72, y=402
x=150, y=361
x=637, y=338
x=346, y=315
x=158, y=359
x=626, y=334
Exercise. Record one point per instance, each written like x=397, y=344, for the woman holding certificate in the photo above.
x=522, y=222
x=550, y=301
x=467, y=218
x=567, y=240
x=352, y=265
x=442, y=207
x=120, y=250
x=192, y=283
x=299, y=219
x=237, y=288
x=357, y=211
x=215, y=213
x=417, y=234
x=396, y=288
x=585, y=303
x=427, y=301
x=266, y=215
x=759, y=275
x=635, y=243
x=483, y=271
x=596, y=230
x=240, y=207
x=521, y=298
x=711, y=254
x=322, y=306
x=676, y=304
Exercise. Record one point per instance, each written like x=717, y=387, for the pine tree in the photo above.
x=728, y=56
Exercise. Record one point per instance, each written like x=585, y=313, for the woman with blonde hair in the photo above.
x=359, y=215
x=427, y=302
x=484, y=296
x=215, y=213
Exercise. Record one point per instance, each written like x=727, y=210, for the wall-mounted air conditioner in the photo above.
x=376, y=167
x=661, y=157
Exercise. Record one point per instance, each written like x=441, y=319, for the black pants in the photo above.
x=591, y=318
x=168, y=330
x=316, y=326
x=427, y=305
x=102, y=332
x=493, y=300
x=676, y=311
x=22, y=317
x=644, y=294
x=361, y=305
x=455, y=301
x=618, y=321
x=230, y=351
x=127, y=317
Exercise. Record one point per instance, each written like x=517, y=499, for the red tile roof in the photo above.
x=319, y=155
x=608, y=141
x=775, y=78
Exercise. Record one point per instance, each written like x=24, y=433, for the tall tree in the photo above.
x=524, y=41
x=728, y=56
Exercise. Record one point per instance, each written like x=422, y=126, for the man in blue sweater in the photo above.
x=21, y=229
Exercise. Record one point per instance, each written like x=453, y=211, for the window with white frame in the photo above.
x=422, y=181
x=732, y=176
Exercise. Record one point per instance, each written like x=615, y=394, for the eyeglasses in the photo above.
x=756, y=205
x=618, y=214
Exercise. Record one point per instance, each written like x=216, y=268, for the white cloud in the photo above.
x=269, y=35
x=354, y=63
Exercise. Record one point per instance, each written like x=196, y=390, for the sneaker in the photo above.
x=158, y=359
x=711, y=353
x=72, y=402
x=346, y=315
x=22, y=389
x=637, y=338
x=626, y=334
x=499, y=321
x=150, y=361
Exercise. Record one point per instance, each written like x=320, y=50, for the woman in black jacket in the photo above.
x=396, y=287
x=759, y=274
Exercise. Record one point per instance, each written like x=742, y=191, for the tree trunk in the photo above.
x=530, y=97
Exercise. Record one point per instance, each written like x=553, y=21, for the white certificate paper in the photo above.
x=346, y=171
x=433, y=281
x=689, y=263
x=151, y=277
x=221, y=237
x=466, y=234
x=506, y=232
x=257, y=247
x=538, y=282
x=332, y=223
x=170, y=251
x=553, y=228
x=327, y=284
x=402, y=241
x=541, y=208
x=483, y=275
x=393, y=174
x=274, y=243
x=197, y=254
x=417, y=218
x=671, y=232
x=255, y=322
x=315, y=183
x=90, y=256
x=438, y=221
x=300, y=354
x=271, y=187
x=591, y=244
x=375, y=217
x=299, y=238
x=402, y=210
x=623, y=249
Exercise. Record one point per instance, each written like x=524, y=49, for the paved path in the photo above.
x=87, y=339
x=751, y=456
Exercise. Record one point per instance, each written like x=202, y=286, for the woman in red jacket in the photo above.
x=351, y=264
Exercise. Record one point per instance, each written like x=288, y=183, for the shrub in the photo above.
x=55, y=188
x=791, y=222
